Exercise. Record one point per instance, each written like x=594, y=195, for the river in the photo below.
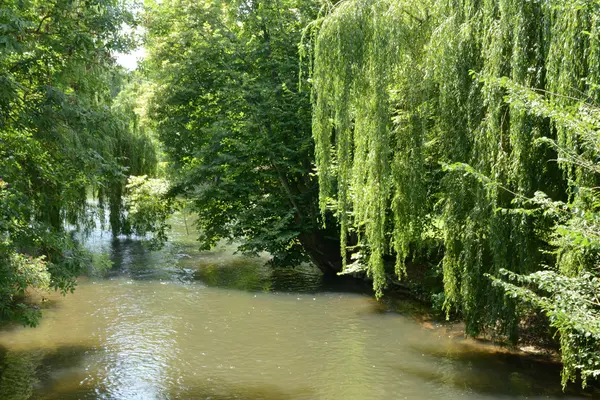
x=184, y=324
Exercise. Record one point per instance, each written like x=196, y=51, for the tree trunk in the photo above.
x=323, y=251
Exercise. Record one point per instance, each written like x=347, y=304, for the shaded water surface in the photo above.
x=180, y=324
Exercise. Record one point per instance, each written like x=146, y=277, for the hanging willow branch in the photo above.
x=395, y=97
x=363, y=50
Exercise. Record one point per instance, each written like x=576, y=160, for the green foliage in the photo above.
x=567, y=293
x=61, y=134
x=463, y=119
x=234, y=123
x=149, y=207
x=367, y=57
x=19, y=273
x=573, y=308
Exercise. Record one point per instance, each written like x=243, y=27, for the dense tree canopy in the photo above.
x=62, y=135
x=427, y=124
x=235, y=125
x=364, y=135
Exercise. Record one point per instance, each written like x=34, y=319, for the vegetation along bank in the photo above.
x=450, y=144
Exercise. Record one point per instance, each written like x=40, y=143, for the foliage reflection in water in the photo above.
x=178, y=323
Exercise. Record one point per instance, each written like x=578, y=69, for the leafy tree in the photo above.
x=367, y=58
x=568, y=292
x=235, y=125
x=60, y=136
x=422, y=132
x=149, y=207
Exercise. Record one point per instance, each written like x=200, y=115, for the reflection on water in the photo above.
x=181, y=324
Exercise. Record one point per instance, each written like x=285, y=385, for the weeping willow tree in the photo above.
x=568, y=293
x=132, y=151
x=415, y=136
x=369, y=139
x=62, y=132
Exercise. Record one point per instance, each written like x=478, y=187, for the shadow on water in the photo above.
x=255, y=275
x=57, y=374
x=181, y=261
x=210, y=390
x=133, y=259
x=25, y=372
x=489, y=371
x=220, y=268
x=219, y=390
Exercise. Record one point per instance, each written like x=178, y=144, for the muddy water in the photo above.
x=181, y=324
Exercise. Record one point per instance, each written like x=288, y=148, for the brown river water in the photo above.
x=184, y=324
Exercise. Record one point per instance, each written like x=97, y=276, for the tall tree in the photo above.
x=237, y=128
x=416, y=139
x=59, y=137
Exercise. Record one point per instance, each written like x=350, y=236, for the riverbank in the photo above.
x=182, y=323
